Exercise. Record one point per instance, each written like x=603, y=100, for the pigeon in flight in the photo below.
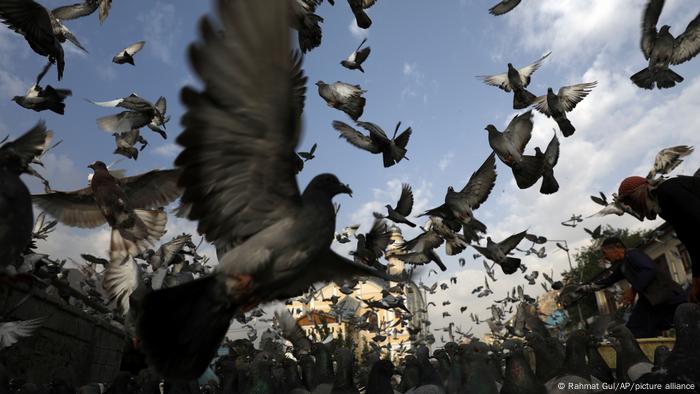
x=490, y=272
x=663, y=50
x=516, y=80
x=343, y=96
x=40, y=99
x=126, y=142
x=241, y=131
x=503, y=7
x=601, y=199
x=15, y=200
x=126, y=55
x=510, y=144
x=458, y=208
x=403, y=207
x=130, y=205
x=86, y=8
x=308, y=155
x=498, y=252
x=344, y=236
x=307, y=24
x=557, y=105
x=12, y=331
x=393, y=150
x=531, y=277
x=421, y=250
x=455, y=243
x=358, y=8
x=668, y=159
x=355, y=60
x=531, y=168
x=372, y=245
x=140, y=112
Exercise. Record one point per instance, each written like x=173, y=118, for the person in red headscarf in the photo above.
x=677, y=201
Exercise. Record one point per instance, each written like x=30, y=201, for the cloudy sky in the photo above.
x=421, y=72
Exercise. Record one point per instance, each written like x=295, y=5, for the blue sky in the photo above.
x=425, y=56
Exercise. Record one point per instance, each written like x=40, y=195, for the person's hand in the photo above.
x=628, y=296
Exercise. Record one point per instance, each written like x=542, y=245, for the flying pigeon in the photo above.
x=40, y=99
x=344, y=236
x=602, y=200
x=403, y=207
x=510, y=144
x=12, y=331
x=531, y=168
x=343, y=96
x=355, y=60
x=503, y=7
x=421, y=250
x=371, y=246
x=516, y=80
x=393, y=150
x=358, y=7
x=668, y=159
x=596, y=233
x=126, y=142
x=498, y=252
x=306, y=23
x=86, y=8
x=531, y=277
x=240, y=135
x=131, y=206
x=126, y=55
x=490, y=271
x=455, y=243
x=15, y=201
x=557, y=105
x=308, y=155
x=663, y=50
x=536, y=239
x=140, y=112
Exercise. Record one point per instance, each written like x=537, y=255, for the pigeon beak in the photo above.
x=346, y=189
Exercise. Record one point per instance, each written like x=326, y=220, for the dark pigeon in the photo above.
x=403, y=207
x=516, y=80
x=39, y=99
x=503, y=7
x=393, y=150
x=531, y=168
x=498, y=252
x=355, y=60
x=510, y=144
x=421, y=250
x=126, y=55
x=307, y=24
x=557, y=105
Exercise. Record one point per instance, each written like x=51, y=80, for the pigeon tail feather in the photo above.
x=567, y=129
x=510, y=265
x=182, y=327
x=527, y=172
x=667, y=78
x=549, y=184
x=644, y=79
x=354, y=107
x=363, y=20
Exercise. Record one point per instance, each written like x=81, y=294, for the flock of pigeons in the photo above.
x=236, y=177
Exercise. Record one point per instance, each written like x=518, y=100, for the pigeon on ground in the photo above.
x=403, y=207
x=503, y=7
x=358, y=7
x=498, y=252
x=663, y=50
x=16, y=211
x=355, y=60
x=126, y=55
x=40, y=99
x=393, y=150
x=668, y=159
x=510, y=144
x=12, y=331
x=140, y=112
x=131, y=206
x=303, y=19
x=240, y=135
x=557, y=105
x=516, y=80
x=343, y=96
x=126, y=142
x=457, y=211
x=531, y=168
x=421, y=250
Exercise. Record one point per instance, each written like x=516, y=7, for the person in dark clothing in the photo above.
x=677, y=201
x=659, y=295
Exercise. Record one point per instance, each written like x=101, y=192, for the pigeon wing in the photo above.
x=503, y=7
x=134, y=48
x=687, y=45
x=31, y=144
x=511, y=242
x=240, y=133
x=527, y=71
x=120, y=280
x=649, y=20
x=355, y=138
x=551, y=155
x=75, y=11
x=481, y=183
x=298, y=85
x=569, y=96
x=76, y=209
x=171, y=248
x=541, y=105
x=124, y=121
x=375, y=132
x=29, y=19
x=153, y=189
x=405, y=204
x=11, y=332
x=519, y=131
x=498, y=80
x=378, y=238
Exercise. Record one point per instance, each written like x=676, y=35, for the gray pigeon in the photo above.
x=662, y=49
x=303, y=19
x=16, y=211
x=557, y=105
x=498, y=252
x=126, y=142
x=126, y=55
x=355, y=60
x=455, y=243
x=40, y=99
x=457, y=211
x=343, y=96
x=403, y=207
x=510, y=144
x=503, y=7
x=531, y=168
x=358, y=9
x=516, y=80
x=393, y=150
x=240, y=135
x=668, y=159
x=421, y=250
x=140, y=112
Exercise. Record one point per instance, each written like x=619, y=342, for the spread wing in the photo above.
x=551, y=155
x=423, y=243
x=75, y=11
x=29, y=19
x=687, y=45
x=569, y=96
x=355, y=138
x=527, y=71
x=124, y=121
x=120, y=280
x=511, y=242
x=541, y=105
x=378, y=237
x=375, y=132
x=31, y=144
x=75, y=209
x=134, y=48
x=153, y=189
x=519, y=130
x=405, y=204
x=481, y=182
x=499, y=80
x=503, y=7
x=11, y=332
x=241, y=131
x=169, y=249
x=649, y=20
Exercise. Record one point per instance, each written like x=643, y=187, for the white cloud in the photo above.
x=169, y=150
x=160, y=27
x=446, y=160
x=357, y=31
